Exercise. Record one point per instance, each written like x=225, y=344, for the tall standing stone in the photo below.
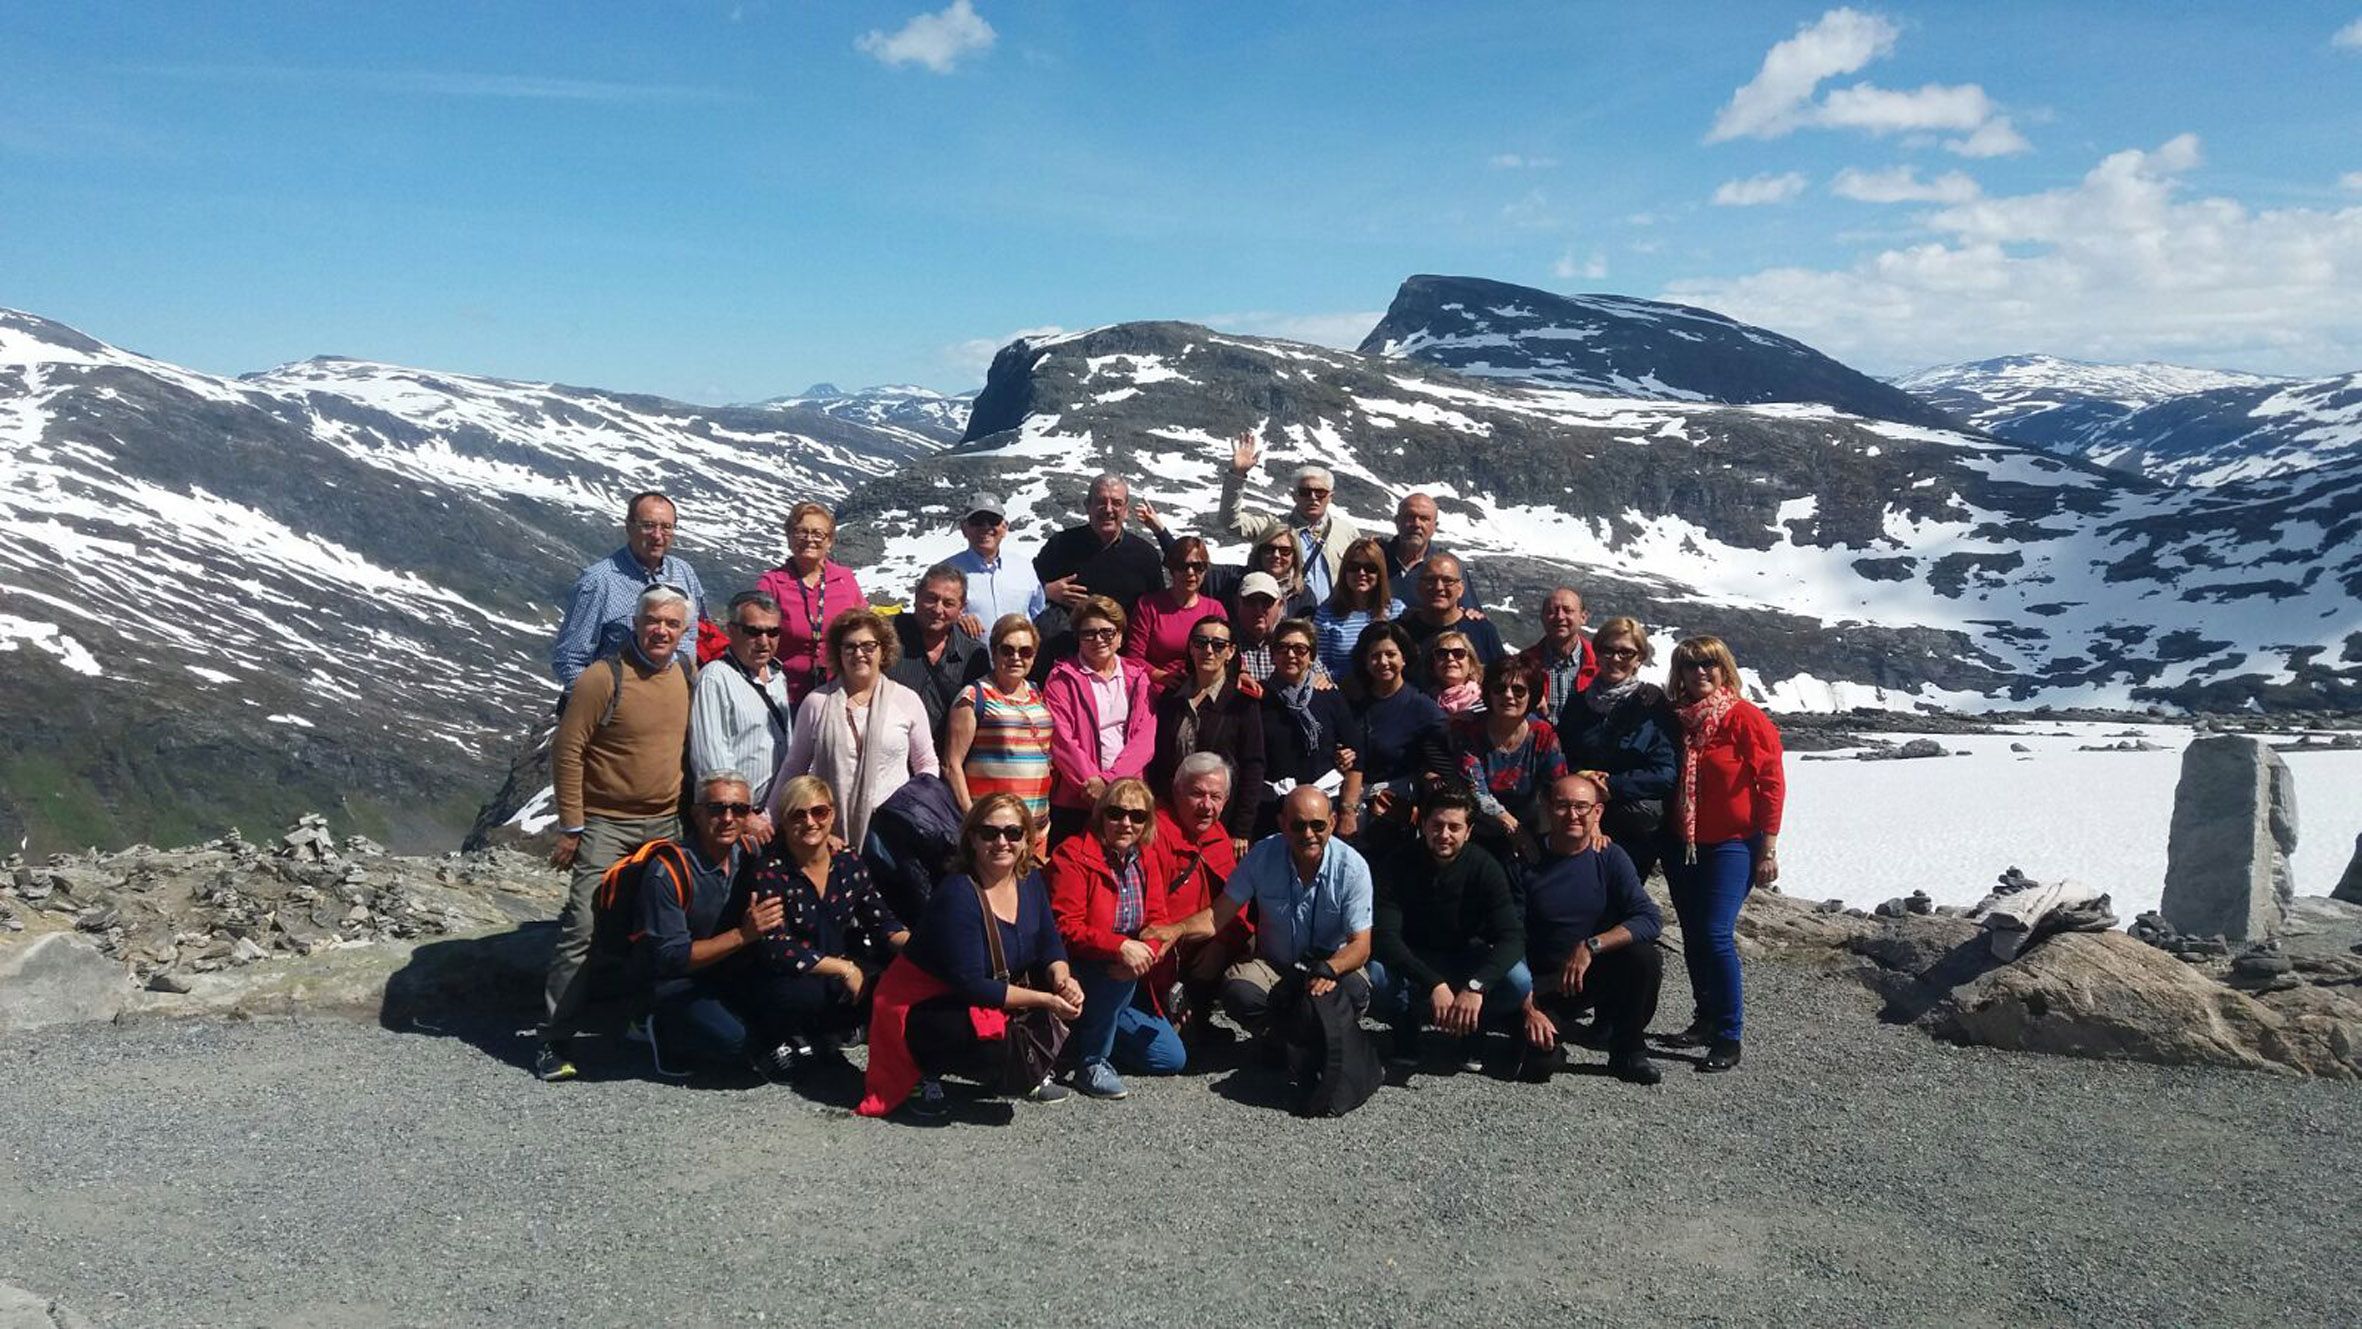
x=2234, y=826
x=2349, y=886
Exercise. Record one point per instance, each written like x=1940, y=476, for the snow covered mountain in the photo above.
x=228, y=600
x=2168, y=422
x=1850, y=560
x=1618, y=346
x=923, y=413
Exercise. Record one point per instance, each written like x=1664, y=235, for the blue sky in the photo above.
x=725, y=201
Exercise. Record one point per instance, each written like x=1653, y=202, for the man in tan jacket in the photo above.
x=1321, y=534
x=617, y=764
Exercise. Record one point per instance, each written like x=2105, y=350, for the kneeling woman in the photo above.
x=836, y=929
x=1100, y=888
x=987, y=949
x=1727, y=811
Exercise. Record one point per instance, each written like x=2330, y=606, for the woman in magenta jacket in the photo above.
x=1102, y=717
x=812, y=589
x=1724, y=831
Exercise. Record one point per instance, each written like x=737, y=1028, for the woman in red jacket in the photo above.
x=1726, y=831
x=1101, y=891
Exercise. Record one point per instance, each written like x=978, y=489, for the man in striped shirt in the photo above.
x=739, y=720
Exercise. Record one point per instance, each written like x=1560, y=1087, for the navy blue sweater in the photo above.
x=716, y=901
x=1638, y=743
x=1403, y=737
x=949, y=939
x=1570, y=897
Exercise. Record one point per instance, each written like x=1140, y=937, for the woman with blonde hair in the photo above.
x=1453, y=674
x=1104, y=897
x=1625, y=726
x=837, y=932
x=812, y=589
x=862, y=732
x=1726, y=813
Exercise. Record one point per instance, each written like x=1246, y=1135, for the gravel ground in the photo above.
x=321, y=1173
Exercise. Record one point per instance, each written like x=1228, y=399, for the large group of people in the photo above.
x=1043, y=821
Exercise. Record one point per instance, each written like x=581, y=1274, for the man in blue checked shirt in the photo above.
x=599, y=613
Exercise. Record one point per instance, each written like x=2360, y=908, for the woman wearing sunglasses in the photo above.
x=1625, y=726
x=1510, y=757
x=1205, y=712
x=1158, y=635
x=1310, y=735
x=997, y=739
x=1361, y=597
x=1102, y=892
x=836, y=931
x=945, y=1003
x=1102, y=714
x=1451, y=674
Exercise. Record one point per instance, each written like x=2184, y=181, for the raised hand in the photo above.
x=1244, y=454
x=1144, y=512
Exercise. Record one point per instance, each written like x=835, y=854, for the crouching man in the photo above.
x=1591, y=936
x=1450, y=944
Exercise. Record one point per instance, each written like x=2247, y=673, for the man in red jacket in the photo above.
x=1563, y=655
x=1189, y=860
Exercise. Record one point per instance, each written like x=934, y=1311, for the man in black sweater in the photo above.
x=1098, y=557
x=1435, y=609
x=1591, y=936
x=1448, y=944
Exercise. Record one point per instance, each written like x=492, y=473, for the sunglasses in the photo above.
x=1309, y=491
x=1215, y=644
x=1006, y=834
x=1134, y=816
x=1513, y=690
x=1370, y=568
x=1619, y=653
x=752, y=631
x=1195, y=567
x=1290, y=648
x=1309, y=824
x=1013, y=652
x=1450, y=653
x=728, y=809
x=813, y=812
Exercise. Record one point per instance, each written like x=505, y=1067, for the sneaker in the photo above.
x=928, y=1104
x=1472, y=1052
x=1050, y=1091
x=636, y=1031
x=551, y=1064
x=1634, y=1068
x=1721, y=1056
x=1097, y=1079
x=778, y=1064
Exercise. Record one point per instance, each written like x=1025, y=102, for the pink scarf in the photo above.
x=1460, y=698
x=1701, y=721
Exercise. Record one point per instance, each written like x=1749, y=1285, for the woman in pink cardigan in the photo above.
x=1102, y=717
x=812, y=589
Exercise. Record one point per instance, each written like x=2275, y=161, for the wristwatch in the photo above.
x=1592, y=945
x=1476, y=985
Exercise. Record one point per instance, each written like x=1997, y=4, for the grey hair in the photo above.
x=762, y=600
x=707, y=785
x=1201, y=763
x=1106, y=478
x=1320, y=473
x=657, y=597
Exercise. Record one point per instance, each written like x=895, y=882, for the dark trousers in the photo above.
x=1639, y=832
x=1706, y=897
x=712, y=1017
x=942, y=1039
x=1621, y=986
x=1067, y=823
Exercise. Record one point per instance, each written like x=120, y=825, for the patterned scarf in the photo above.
x=1605, y=697
x=1701, y=721
x=1298, y=700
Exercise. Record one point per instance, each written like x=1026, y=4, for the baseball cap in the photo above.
x=1258, y=583
x=983, y=502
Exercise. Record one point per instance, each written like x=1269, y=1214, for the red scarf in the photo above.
x=1701, y=721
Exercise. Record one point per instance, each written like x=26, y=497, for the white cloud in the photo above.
x=1590, y=268
x=937, y=41
x=1901, y=184
x=1512, y=161
x=1343, y=330
x=973, y=356
x=1770, y=104
x=1758, y=190
x=2121, y=265
x=2349, y=37
x=2351, y=182
x=1779, y=99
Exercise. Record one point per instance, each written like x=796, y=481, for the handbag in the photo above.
x=1035, y=1036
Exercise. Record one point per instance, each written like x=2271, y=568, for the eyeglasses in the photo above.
x=986, y=519
x=1432, y=579
x=1311, y=491
x=1583, y=805
x=865, y=646
x=1195, y=565
x=1513, y=690
x=809, y=533
x=1009, y=652
x=992, y=831
x=1707, y=665
x=1308, y=824
x=1215, y=644
x=1291, y=648
x=653, y=527
x=812, y=812
x=1095, y=634
x=1132, y=816
x=1619, y=653
x=728, y=809
x=752, y=631
x=1450, y=652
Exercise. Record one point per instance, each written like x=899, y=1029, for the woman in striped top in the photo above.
x=1360, y=599
x=997, y=737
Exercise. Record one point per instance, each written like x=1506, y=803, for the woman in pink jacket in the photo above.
x=812, y=589
x=1102, y=717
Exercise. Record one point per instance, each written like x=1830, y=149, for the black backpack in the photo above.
x=1333, y=1063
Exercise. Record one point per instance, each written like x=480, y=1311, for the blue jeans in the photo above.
x=1392, y=1000
x=1116, y=1026
x=1706, y=897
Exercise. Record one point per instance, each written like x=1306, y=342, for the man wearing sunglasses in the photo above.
x=1321, y=535
x=739, y=720
x=599, y=610
x=1314, y=908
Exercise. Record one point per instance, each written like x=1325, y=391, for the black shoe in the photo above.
x=778, y=1064
x=1634, y=1068
x=552, y=1064
x=1536, y=1065
x=1472, y=1052
x=927, y=1102
x=1698, y=1035
x=1721, y=1056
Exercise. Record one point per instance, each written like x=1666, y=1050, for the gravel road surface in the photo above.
x=321, y=1173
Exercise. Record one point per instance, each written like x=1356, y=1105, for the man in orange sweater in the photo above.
x=617, y=763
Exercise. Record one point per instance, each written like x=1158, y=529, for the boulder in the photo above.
x=58, y=978
x=2349, y=886
x=2234, y=825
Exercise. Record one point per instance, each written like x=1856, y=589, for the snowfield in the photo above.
x=1863, y=832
